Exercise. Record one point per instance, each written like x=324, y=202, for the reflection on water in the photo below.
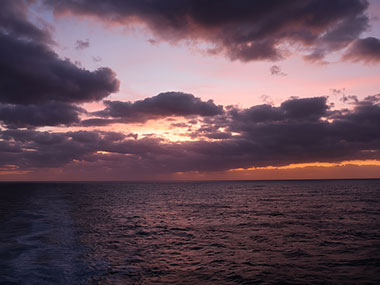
x=190, y=233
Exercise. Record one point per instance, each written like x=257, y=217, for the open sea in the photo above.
x=262, y=232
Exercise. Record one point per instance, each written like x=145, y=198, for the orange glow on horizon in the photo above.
x=351, y=169
x=315, y=164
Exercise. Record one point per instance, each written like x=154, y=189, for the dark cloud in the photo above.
x=97, y=122
x=80, y=44
x=50, y=114
x=349, y=99
x=367, y=50
x=162, y=105
x=32, y=73
x=14, y=22
x=35, y=149
x=305, y=109
x=218, y=135
x=297, y=131
x=372, y=99
x=179, y=125
x=336, y=91
x=245, y=30
x=37, y=88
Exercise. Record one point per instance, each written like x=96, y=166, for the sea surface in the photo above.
x=263, y=232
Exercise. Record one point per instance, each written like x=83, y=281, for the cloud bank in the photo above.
x=297, y=131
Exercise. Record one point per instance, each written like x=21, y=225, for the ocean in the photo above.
x=246, y=232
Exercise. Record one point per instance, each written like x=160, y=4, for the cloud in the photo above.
x=305, y=109
x=297, y=131
x=14, y=22
x=32, y=73
x=97, y=58
x=276, y=70
x=242, y=30
x=162, y=105
x=50, y=114
x=367, y=50
x=97, y=122
x=34, y=149
x=372, y=99
x=37, y=88
x=80, y=44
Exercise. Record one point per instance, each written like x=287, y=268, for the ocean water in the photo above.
x=295, y=232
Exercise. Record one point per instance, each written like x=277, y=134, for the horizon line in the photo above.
x=183, y=181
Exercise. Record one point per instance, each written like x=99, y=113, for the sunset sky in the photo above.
x=189, y=89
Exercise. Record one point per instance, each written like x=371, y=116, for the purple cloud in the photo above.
x=242, y=30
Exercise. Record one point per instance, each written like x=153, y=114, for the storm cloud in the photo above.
x=244, y=30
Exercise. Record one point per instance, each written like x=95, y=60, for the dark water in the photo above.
x=300, y=232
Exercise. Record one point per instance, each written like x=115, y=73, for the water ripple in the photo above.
x=317, y=232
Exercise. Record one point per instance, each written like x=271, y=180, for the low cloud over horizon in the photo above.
x=300, y=130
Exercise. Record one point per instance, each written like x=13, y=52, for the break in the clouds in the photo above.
x=296, y=131
x=244, y=30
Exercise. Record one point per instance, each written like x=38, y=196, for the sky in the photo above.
x=189, y=89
